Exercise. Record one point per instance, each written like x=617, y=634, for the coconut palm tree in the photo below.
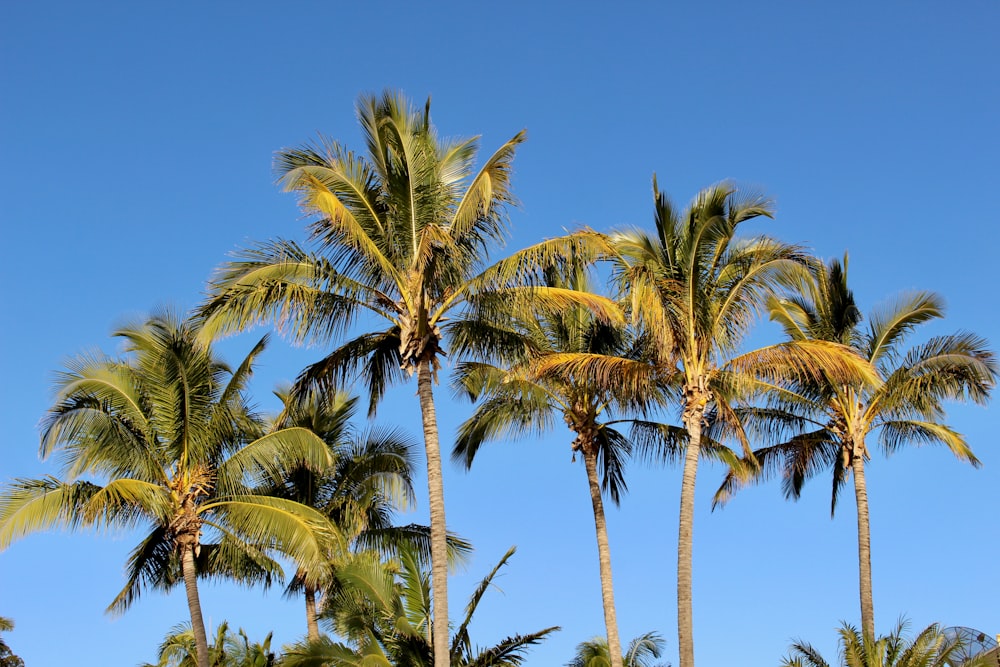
x=695, y=288
x=523, y=398
x=824, y=423
x=167, y=437
x=640, y=653
x=369, y=479
x=931, y=648
x=402, y=234
x=384, y=611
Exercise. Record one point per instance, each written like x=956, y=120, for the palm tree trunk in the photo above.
x=194, y=603
x=604, y=558
x=864, y=545
x=685, y=530
x=312, y=628
x=435, y=493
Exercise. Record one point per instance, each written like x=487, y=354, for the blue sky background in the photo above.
x=135, y=153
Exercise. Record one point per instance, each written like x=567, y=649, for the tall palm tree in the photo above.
x=829, y=420
x=401, y=232
x=369, y=479
x=932, y=647
x=641, y=652
x=167, y=436
x=523, y=398
x=384, y=611
x=695, y=288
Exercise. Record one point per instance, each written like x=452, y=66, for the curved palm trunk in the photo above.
x=435, y=492
x=685, y=531
x=604, y=557
x=194, y=604
x=312, y=627
x=864, y=545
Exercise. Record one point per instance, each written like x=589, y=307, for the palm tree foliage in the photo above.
x=641, y=652
x=823, y=423
x=695, y=288
x=384, y=612
x=524, y=397
x=7, y=657
x=228, y=650
x=168, y=442
x=932, y=647
x=368, y=481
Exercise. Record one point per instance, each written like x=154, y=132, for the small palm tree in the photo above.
x=168, y=438
x=228, y=650
x=384, y=611
x=368, y=481
x=931, y=648
x=829, y=420
x=641, y=652
x=695, y=288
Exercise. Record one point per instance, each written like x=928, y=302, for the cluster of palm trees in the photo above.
x=395, y=278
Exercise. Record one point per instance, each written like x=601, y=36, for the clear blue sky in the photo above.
x=135, y=152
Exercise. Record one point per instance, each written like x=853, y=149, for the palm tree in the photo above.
x=641, y=652
x=401, y=233
x=830, y=420
x=931, y=648
x=524, y=397
x=384, y=611
x=369, y=479
x=695, y=288
x=167, y=436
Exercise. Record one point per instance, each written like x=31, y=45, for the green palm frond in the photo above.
x=895, y=433
x=272, y=456
x=460, y=643
x=375, y=357
x=894, y=321
x=290, y=527
x=33, y=505
x=510, y=651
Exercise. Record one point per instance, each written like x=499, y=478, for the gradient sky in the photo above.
x=135, y=153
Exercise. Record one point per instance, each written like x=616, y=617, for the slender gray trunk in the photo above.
x=604, y=558
x=312, y=627
x=864, y=545
x=194, y=603
x=685, y=531
x=439, y=539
